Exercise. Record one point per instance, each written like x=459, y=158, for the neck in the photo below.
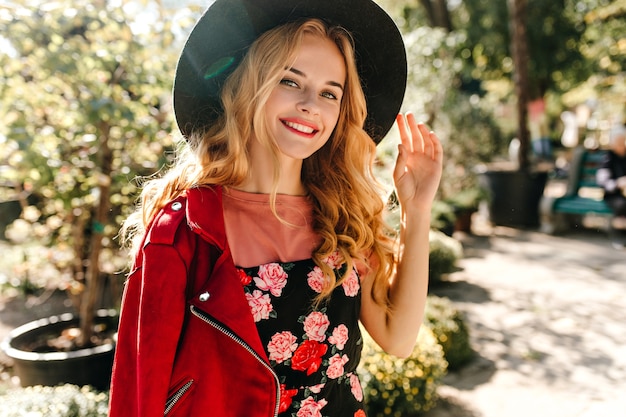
x=261, y=179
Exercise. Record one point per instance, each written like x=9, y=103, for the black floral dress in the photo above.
x=314, y=351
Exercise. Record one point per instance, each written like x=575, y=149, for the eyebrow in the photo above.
x=302, y=74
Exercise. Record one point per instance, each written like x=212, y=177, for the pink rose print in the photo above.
x=272, y=277
x=311, y=408
x=335, y=366
x=243, y=277
x=316, y=389
x=286, y=396
x=308, y=356
x=334, y=260
x=315, y=326
x=260, y=305
x=281, y=346
x=339, y=337
x=355, y=387
x=316, y=279
x=351, y=284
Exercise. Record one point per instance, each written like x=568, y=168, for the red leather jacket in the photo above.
x=189, y=347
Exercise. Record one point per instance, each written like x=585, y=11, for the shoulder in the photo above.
x=194, y=212
x=163, y=228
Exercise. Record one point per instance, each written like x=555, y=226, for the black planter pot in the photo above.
x=514, y=196
x=88, y=366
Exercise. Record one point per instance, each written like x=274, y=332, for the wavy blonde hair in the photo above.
x=347, y=201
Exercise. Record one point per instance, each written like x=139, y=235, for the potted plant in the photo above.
x=86, y=112
x=465, y=203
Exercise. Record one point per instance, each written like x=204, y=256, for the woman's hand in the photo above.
x=419, y=165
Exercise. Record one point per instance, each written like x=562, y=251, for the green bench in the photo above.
x=582, y=197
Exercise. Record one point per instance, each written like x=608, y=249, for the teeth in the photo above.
x=299, y=127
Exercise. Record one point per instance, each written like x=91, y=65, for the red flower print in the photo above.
x=355, y=387
x=272, y=277
x=260, y=305
x=316, y=279
x=339, y=337
x=243, y=277
x=308, y=356
x=351, y=284
x=315, y=326
x=360, y=413
x=311, y=408
x=281, y=346
x=335, y=366
x=285, y=398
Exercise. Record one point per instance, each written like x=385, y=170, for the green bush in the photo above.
x=444, y=253
x=62, y=401
x=447, y=324
x=402, y=387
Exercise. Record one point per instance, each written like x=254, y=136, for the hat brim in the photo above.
x=223, y=34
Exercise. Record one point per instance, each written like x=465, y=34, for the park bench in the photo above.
x=583, y=196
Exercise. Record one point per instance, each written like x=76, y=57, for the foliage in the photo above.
x=474, y=138
x=448, y=326
x=442, y=217
x=402, y=387
x=445, y=251
x=554, y=31
x=61, y=401
x=85, y=109
x=468, y=198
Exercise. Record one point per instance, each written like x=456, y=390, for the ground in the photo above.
x=548, y=324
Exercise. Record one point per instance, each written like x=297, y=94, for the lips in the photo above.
x=302, y=128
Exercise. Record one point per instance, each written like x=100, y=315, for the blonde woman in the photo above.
x=259, y=252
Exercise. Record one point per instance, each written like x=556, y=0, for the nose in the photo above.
x=308, y=102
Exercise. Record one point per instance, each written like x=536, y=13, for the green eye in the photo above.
x=287, y=81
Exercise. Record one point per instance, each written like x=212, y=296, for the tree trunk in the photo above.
x=93, y=279
x=438, y=13
x=519, y=50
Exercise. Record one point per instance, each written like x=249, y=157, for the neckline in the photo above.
x=263, y=198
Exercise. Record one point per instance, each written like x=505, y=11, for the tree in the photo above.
x=519, y=49
x=85, y=96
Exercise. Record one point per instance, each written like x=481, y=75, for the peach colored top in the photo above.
x=257, y=237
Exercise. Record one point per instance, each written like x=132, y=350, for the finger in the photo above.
x=404, y=133
x=437, y=148
x=430, y=140
x=417, y=140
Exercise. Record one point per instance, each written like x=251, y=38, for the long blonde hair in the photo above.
x=347, y=201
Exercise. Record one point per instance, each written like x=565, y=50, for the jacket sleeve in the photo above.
x=151, y=319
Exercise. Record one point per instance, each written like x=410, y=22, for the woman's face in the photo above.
x=303, y=109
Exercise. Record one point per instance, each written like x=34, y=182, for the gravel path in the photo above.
x=547, y=317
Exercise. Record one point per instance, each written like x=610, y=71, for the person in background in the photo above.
x=259, y=252
x=612, y=177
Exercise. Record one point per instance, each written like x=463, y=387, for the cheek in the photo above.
x=332, y=115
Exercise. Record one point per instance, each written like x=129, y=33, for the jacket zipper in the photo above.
x=200, y=314
x=171, y=402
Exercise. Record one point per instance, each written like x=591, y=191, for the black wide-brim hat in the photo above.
x=223, y=34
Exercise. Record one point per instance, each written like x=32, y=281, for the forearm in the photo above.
x=409, y=287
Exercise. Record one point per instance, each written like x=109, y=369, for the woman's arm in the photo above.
x=416, y=175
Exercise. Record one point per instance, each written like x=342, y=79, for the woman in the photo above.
x=263, y=247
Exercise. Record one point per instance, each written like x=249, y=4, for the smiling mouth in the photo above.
x=300, y=128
